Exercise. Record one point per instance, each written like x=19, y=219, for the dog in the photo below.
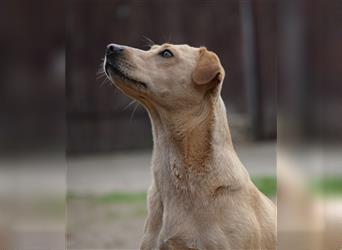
x=201, y=195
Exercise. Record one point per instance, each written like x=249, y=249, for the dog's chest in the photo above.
x=190, y=215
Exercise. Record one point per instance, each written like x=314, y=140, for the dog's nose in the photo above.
x=114, y=49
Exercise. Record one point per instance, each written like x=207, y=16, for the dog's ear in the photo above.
x=208, y=68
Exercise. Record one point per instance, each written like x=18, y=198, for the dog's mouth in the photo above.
x=115, y=69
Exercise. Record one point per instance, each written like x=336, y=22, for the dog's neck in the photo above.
x=198, y=140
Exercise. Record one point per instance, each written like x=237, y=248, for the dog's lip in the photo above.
x=122, y=75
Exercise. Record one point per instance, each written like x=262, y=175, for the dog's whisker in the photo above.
x=101, y=64
x=169, y=40
x=105, y=81
x=166, y=38
x=100, y=71
x=135, y=108
x=128, y=105
x=100, y=76
x=102, y=83
x=149, y=42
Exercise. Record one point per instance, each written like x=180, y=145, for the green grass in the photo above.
x=326, y=187
x=266, y=184
x=329, y=186
x=123, y=198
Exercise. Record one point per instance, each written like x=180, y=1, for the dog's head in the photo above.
x=169, y=76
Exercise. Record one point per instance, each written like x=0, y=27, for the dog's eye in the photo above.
x=166, y=53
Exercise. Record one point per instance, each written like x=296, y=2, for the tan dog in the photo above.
x=201, y=196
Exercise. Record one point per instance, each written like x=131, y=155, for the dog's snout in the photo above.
x=114, y=49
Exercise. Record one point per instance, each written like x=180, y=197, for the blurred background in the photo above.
x=75, y=153
x=32, y=124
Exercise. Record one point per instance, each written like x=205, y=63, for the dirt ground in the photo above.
x=98, y=225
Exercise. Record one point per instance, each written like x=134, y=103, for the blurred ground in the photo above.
x=32, y=201
x=101, y=225
x=131, y=171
